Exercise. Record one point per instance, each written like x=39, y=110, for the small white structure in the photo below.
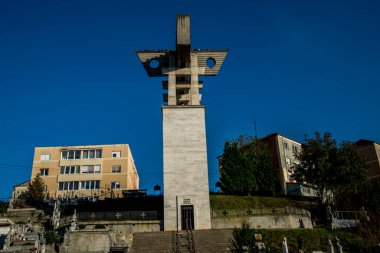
x=284, y=246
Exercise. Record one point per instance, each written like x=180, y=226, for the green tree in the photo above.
x=260, y=167
x=3, y=207
x=232, y=178
x=370, y=192
x=35, y=194
x=246, y=167
x=243, y=237
x=336, y=170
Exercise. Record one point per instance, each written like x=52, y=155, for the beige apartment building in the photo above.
x=102, y=171
x=370, y=151
x=285, y=153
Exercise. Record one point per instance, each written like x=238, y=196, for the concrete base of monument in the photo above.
x=186, y=188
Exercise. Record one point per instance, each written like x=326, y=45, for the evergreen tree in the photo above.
x=247, y=167
x=35, y=194
x=232, y=177
x=3, y=207
x=260, y=167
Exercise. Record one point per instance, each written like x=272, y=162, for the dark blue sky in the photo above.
x=69, y=74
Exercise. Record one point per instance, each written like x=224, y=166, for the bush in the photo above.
x=51, y=237
x=243, y=237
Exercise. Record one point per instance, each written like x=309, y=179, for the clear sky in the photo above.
x=69, y=74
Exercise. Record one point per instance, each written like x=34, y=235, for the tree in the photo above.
x=232, y=177
x=260, y=167
x=246, y=167
x=243, y=237
x=3, y=207
x=335, y=170
x=35, y=194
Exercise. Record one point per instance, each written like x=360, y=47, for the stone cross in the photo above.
x=74, y=221
x=183, y=66
x=184, y=130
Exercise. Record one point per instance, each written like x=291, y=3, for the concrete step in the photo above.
x=207, y=241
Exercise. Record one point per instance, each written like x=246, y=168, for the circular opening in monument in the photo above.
x=210, y=62
x=154, y=63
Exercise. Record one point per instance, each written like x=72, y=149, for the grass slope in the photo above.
x=230, y=202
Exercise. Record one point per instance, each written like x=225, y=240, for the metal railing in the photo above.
x=349, y=215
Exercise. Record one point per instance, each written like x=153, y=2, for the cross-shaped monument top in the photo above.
x=182, y=66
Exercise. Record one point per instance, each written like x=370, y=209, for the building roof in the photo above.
x=85, y=146
x=267, y=137
x=277, y=134
x=363, y=142
x=25, y=184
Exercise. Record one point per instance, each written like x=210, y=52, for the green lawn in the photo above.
x=314, y=239
x=229, y=202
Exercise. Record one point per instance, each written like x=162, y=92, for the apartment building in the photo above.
x=284, y=153
x=370, y=151
x=86, y=171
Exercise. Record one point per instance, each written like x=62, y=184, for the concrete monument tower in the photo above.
x=186, y=188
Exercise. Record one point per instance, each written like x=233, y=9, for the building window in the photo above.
x=89, y=185
x=70, y=154
x=70, y=170
x=45, y=157
x=295, y=150
x=116, y=168
x=115, y=185
x=68, y=186
x=286, y=145
x=89, y=169
x=116, y=154
x=44, y=172
x=287, y=160
x=92, y=154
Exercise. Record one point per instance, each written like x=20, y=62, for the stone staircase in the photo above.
x=205, y=241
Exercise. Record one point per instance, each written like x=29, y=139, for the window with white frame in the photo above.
x=70, y=170
x=68, y=186
x=115, y=185
x=92, y=154
x=70, y=154
x=89, y=169
x=44, y=172
x=89, y=185
x=116, y=154
x=45, y=157
x=287, y=160
x=116, y=168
